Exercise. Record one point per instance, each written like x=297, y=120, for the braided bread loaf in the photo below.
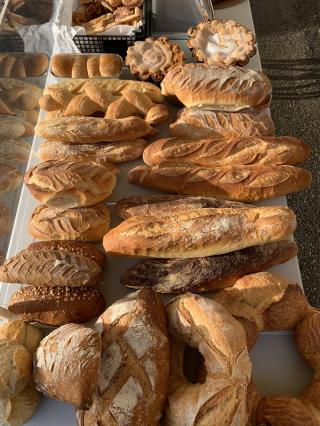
x=23, y=65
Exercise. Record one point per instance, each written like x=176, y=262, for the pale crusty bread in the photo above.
x=132, y=385
x=14, y=152
x=15, y=127
x=81, y=224
x=196, y=123
x=92, y=129
x=5, y=219
x=221, y=397
x=216, y=88
x=199, y=233
x=239, y=183
x=67, y=363
x=227, y=152
x=71, y=183
x=23, y=65
x=10, y=178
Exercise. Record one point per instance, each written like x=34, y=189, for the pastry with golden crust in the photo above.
x=221, y=42
x=152, y=58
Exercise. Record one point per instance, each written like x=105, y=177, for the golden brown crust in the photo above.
x=10, y=178
x=15, y=127
x=239, y=183
x=308, y=338
x=5, y=220
x=199, y=233
x=23, y=65
x=14, y=152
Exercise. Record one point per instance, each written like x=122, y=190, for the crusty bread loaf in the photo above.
x=132, y=385
x=216, y=88
x=107, y=65
x=22, y=333
x=206, y=273
x=15, y=127
x=238, y=183
x=81, y=224
x=23, y=65
x=155, y=205
x=10, y=178
x=227, y=152
x=66, y=184
x=14, y=152
x=91, y=129
x=199, y=233
x=57, y=305
x=67, y=363
x=19, y=94
x=5, y=219
x=197, y=123
x=220, y=399
x=115, y=152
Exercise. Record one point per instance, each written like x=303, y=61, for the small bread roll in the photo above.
x=23, y=333
x=15, y=368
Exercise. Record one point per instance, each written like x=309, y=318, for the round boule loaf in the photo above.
x=21, y=332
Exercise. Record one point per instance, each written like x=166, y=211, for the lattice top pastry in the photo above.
x=221, y=42
x=153, y=58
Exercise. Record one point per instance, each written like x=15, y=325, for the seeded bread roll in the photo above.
x=73, y=375
x=57, y=305
x=238, y=183
x=200, y=233
x=81, y=224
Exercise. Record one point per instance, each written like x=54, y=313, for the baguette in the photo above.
x=81, y=224
x=220, y=89
x=238, y=183
x=196, y=123
x=196, y=275
x=227, y=152
x=92, y=130
x=115, y=152
x=155, y=205
x=57, y=305
x=68, y=183
x=199, y=233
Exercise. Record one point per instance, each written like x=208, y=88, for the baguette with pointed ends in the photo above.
x=195, y=123
x=238, y=183
x=114, y=152
x=216, y=88
x=67, y=363
x=50, y=268
x=133, y=380
x=155, y=205
x=68, y=184
x=227, y=152
x=206, y=273
x=92, y=129
x=57, y=305
x=221, y=398
x=81, y=224
x=200, y=233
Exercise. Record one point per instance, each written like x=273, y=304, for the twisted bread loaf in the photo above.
x=23, y=65
x=216, y=88
x=221, y=398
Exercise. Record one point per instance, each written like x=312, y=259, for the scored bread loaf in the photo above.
x=10, y=178
x=221, y=89
x=206, y=273
x=14, y=152
x=195, y=123
x=155, y=205
x=86, y=66
x=67, y=363
x=71, y=183
x=199, y=233
x=115, y=152
x=227, y=152
x=23, y=65
x=57, y=305
x=133, y=380
x=81, y=224
x=92, y=129
x=239, y=183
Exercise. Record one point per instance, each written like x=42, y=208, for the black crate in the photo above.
x=11, y=42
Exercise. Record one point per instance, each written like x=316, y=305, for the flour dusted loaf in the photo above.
x=221, y=396
x=133, y=380
x=71, y=183
x=93, y=129
x=239, y=183
x=196, y=123
x=206, y=273
x=199, y=233
x=227, y=152
x=81, y=224
x=221, y=89
x=67, y=363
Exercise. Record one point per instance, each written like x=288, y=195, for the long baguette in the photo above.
x=227, y=152
x=239, y=183
x=199, y=233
